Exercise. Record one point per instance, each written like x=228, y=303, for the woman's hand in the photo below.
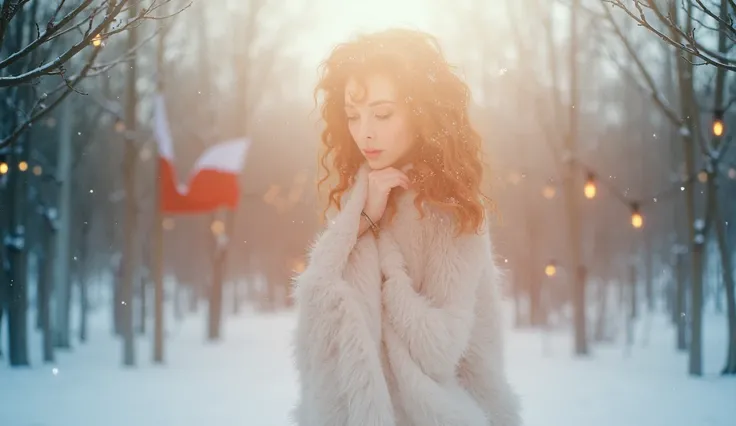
x=380, y=184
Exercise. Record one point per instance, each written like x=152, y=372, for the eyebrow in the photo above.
x=372, y=104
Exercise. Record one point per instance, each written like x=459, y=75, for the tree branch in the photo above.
x=690, y=44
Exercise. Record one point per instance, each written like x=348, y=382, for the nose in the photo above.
x=366, y=132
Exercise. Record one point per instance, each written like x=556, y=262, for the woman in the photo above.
x=398, y=312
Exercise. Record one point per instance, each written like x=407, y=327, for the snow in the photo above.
x=249, y=379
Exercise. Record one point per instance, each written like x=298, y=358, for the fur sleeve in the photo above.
x=337, y=357
x=436, y=324
x=481, y=370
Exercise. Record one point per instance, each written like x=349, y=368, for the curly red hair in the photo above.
x=447, y=158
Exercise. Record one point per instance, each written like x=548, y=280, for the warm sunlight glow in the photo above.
x=349, y=18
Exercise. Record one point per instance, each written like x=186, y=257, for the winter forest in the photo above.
x=608, y=127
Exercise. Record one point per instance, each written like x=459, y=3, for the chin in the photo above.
x=379, y=164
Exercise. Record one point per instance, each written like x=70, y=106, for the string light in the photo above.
x=22, y=166
x=549, y=191
x=718, y=126
x=551, y=269
x=637, y=220
x=97, y=41
x=3, y=168
x=37, y=170
x=217, y=227
x=590, y=187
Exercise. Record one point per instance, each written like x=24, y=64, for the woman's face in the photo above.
x=378, y=121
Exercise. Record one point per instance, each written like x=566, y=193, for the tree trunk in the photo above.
x=648, y=266
x=681, y=302
x=572, y=179
x=117, y=300
x=600, y=325
x=215, y=294
x=62, y=281
x=157, y=267
x=142, y=288
x=84, y=284
x=727, y=268
x=687, y=102
x=45, y=280
x=17, y=254
x=236, y=296
x=728, y=284
x=131, y=209
x=221, y=245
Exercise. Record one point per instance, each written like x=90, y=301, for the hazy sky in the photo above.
x=338, y=20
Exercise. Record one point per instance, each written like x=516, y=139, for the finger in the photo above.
x=399, y=181
x=392, y=173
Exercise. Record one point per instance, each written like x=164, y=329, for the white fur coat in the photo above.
x=403, y=329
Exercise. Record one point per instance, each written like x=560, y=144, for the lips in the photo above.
x=372, y=152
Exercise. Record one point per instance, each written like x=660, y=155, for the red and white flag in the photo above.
x=213, y=182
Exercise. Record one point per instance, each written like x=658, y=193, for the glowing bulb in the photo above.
x=590, y=188
x=217, y=227
x=97, y=41
x=637, y=220
x=718, y=128
x=3, y=168
x=703, y=177
x=549, y=192
x=37, y=170
x=22, y=166
x=550, y=270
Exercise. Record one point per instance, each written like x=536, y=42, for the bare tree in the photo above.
x=91, y=23
x=657, y=17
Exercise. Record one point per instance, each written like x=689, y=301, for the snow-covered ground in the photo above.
x=248, y=379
